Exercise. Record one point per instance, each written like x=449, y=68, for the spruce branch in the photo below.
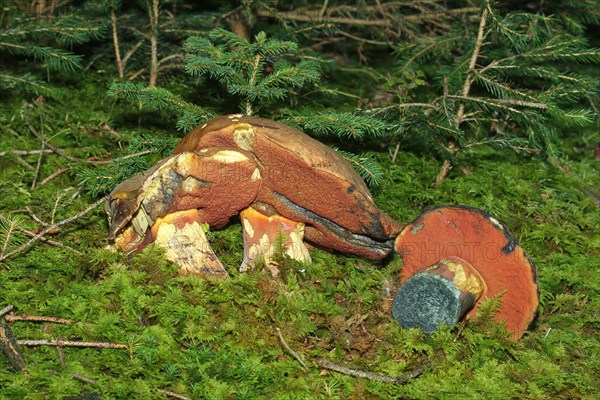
x=240, y=66
x=25, y=83
x=339, y=124
x=365, y=165
x=509, y=75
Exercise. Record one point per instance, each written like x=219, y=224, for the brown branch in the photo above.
x=51, y=242
x=84, y=379
x=136, y=74
x=362, y=40
x=107, y=128
x=24, y=163
x=27, y=210
x=10, y=348
x=469, y=79
x=6, y=310
x=169, y=58
x=316, y=15
x=61, y=353
x=327, y=364
x=443, y=172
x=289, y=349
x=472, y=63
x=172, y=394
x=132, y=50
x=38, y=165
x=54, y=175
x=153, y=15
x=48, y=229
x=58, y=342
x=25, y=152
x=115, y=36
x=12, y=317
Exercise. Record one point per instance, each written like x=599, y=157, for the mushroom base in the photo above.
x=439, y=294
x=267, y=235
x=182, y=236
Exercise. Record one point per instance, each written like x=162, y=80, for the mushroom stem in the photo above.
x=266, y=235
x=438, y=294
x=182, y=236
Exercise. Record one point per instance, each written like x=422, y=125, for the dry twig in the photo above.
x=6, y=310
x=10, y=347
x=172, y=394
x=25, y=152
x=12, y=317
x=61, y=343
x=37, y=237
x=289, y=349
x=51, y=242
x=327, y=364
x=54, y=175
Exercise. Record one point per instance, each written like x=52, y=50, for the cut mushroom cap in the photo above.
x=305, y=181
x=488, y=246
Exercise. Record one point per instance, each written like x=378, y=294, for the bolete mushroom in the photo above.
x=456, y=256
x=305, y=181
x=286, y=185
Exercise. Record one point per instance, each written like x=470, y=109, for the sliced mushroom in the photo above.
x=487, y=245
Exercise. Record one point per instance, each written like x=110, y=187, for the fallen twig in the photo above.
x=51, y=242
x=10, y=347
x=24, y=163
x=61, y=343
x=6, y=310
x=61, y=353
x=48, y=229
x=327, y=364
x=54, y=175
x=172, y=394
x=11, y=317
x=27, y=210
x=85, y=379
x=289, y=349
x=107, y=128
x=38, y=165
x=25, y=152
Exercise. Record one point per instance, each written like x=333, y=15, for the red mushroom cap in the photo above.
x=487, y=244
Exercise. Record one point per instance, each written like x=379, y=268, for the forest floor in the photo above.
x=221, y=339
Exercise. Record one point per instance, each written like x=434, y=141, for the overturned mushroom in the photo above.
x=287, y=186
x=305, y=181
x=456, y=256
